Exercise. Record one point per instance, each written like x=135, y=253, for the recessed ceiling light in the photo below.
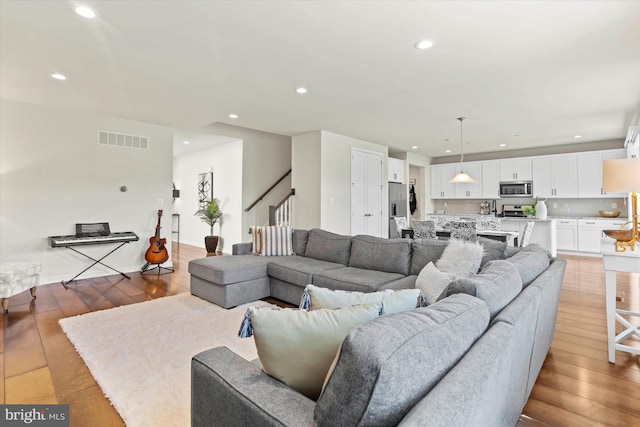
x=58, y=76
x=503, y=145
x=233, y=116
x=415, y=147
x=301, y=90
x=577, y=136
x=423, y=44
x=185, y=142
x=85, y=12
x=447, y=151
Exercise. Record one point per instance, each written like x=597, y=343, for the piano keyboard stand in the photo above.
x=95, y=261
x=145, y=268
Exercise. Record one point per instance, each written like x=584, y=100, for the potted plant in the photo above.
x=210, y=215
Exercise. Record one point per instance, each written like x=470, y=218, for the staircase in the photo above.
x=281, y=213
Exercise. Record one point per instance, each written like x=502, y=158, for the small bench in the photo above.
x=16, y=277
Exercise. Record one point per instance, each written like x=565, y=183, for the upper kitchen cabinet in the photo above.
x=440, y=187
x=555, y=176
x=518, y=169
x=395, y=169
x=471, y=190
x=589, y=173
x=490, y=179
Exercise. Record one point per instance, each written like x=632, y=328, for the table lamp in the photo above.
x=623, y=176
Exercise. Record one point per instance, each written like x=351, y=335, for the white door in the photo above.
x=366, y=193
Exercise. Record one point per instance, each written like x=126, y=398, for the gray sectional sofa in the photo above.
x=470, y=359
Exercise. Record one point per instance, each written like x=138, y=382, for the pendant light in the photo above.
x=462, y=177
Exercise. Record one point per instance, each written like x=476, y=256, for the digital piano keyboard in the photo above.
x=74, y=240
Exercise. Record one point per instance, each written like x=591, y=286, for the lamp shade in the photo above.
x=621, y=176
x=462, y=178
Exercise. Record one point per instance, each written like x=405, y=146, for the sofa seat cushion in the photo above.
x=375, y=253
x=497, y=285
x=424, y=251
x=387, y=365
x=298, y=270
x=327, y=246
x=224, y=270
x=354, y=279
x=531, y=261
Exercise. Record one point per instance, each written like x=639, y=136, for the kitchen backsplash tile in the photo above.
x=555, y=207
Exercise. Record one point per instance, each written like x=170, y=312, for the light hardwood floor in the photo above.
x=576, y=387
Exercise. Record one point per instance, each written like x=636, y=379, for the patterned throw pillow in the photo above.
x=272, y=240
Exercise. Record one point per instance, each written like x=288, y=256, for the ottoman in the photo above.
x=229, y=281
x=16, y=277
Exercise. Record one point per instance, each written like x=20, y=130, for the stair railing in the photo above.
x=267, y=192
x=282, y=213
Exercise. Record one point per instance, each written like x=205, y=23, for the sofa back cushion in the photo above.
x=299, y=241
x=497, y=285
x=424, y=251
x=531, y=261
x=327, y=246
x=387, y=365
x=375, y=253
x=493, y=249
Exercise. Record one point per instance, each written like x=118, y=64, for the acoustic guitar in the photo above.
x=157, y=252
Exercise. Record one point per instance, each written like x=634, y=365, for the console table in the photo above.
x=628, y=261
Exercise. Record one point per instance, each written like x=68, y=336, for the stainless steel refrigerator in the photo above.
x=397, y=205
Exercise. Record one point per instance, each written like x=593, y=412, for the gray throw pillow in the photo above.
x=329, y=247
x=531, y=261
x=493, y=249
x=497, y=284
x=387, y=365
x=299, y=241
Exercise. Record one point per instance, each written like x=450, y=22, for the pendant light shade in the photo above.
x=462, y=177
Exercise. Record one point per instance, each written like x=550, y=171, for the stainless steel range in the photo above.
x=515, y=211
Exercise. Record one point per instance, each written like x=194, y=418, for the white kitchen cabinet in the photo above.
x=567, y=234
x=555, y=176
x=517, y=169
x=491, y=179
x=589, y=172
x=395, y=169
x=590, y=233
x=472, y=190
x=440, y=186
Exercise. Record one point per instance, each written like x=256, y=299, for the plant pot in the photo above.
x=211, y=243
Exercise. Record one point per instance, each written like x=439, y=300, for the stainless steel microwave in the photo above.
x=522, y=189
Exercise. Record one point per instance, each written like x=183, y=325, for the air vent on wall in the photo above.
x=122, y=140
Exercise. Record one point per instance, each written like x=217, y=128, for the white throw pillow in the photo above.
x=395, y=301
x=433, y=282
x=461, y=258
x=297, y=347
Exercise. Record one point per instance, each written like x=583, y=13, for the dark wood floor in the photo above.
x=576, y=387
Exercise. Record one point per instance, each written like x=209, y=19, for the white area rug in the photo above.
x=140, y=354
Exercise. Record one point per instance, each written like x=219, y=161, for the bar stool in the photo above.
x=16, y=277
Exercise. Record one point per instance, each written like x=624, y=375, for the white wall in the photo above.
x=226, y=162
x=54, y=174
x=265, y=158
x=336, y=181
x=321, y=166
x=306, y=172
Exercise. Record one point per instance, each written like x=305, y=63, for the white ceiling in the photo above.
x=543, y=70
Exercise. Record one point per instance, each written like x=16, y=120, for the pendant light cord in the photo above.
x=461, y=146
